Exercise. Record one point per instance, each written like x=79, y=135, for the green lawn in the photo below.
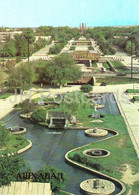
x=136, y=98
x=4, y=96
x=94, y=65
x=117, y=80
x=72, y=48
x=106, y=65
x=44, y=99
x=60, y=193
x=120, y=147
x=90, y=48
x=132, y=90
x=15, y=143
x=120, y=67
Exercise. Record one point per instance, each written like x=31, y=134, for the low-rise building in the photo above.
x=4, y=36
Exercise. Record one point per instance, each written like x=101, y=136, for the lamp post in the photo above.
x=131, y=38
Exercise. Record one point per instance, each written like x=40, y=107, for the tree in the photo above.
x=22, y=77
x=86, y=88
x=28, y=34
x=1, y=76
x=60, y=70
x=51, y=175
x=128, y=47
x=3, y=135
x=39, y=115
x=10, y=167
x=27, y=106
x=64, y=70
x=9, y=48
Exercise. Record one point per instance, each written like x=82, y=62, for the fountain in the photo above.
x=16, y=130
x=97, y=186
x=96, y=132
x=96, y=153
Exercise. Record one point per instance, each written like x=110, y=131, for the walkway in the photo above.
x=7, y=105
x=26, y=188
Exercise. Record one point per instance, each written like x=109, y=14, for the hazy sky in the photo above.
x=33, y=13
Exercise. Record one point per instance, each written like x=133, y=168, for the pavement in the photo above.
x=42, y=54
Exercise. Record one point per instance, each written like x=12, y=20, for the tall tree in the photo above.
x=22, y=77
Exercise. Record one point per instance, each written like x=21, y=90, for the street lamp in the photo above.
x=131, y=38
x=28, y=37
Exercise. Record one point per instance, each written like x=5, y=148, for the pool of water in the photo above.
x=110, y=104
x=49, y=148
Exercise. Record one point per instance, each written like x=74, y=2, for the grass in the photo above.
x=4, y=96
x=90, y=48
x=106, y=65
x=15, y=143
x=72, y=48
x=120, y=67
x=44, y=99
x=132, y=90
x=136, y=98
x=121, y=148
x=94, y=65
x=60, y=193
x=117, y=80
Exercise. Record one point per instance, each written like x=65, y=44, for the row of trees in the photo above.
x=59, y=71
x=18, y=47
x=58, y=33
x=58, y=47
x=105, y=38
x=105, y=46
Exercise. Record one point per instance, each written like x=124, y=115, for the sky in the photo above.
x=34, y=13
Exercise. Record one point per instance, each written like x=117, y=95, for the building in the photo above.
x=4, y=36
x=43, y=37
x=86, y=55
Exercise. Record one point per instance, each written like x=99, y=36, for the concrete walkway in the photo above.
x=7, y=105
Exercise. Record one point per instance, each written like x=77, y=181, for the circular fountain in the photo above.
x=96, y=132
x=96, y=153
x=97, y=186
x=17, y=130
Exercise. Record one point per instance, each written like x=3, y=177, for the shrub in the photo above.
x=27, y=106
x=3, y=135
x=51, y=175
x=86, y=88
x=39, y=115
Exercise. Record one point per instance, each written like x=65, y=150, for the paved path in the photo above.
x=26, y=188
x=7, y=105
x=42, y=54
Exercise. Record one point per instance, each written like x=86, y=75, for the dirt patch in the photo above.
x=128, y=176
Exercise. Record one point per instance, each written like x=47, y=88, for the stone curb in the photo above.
x=21, y=150
x=19, y=132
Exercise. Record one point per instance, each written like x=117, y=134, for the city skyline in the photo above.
x=68, y=13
